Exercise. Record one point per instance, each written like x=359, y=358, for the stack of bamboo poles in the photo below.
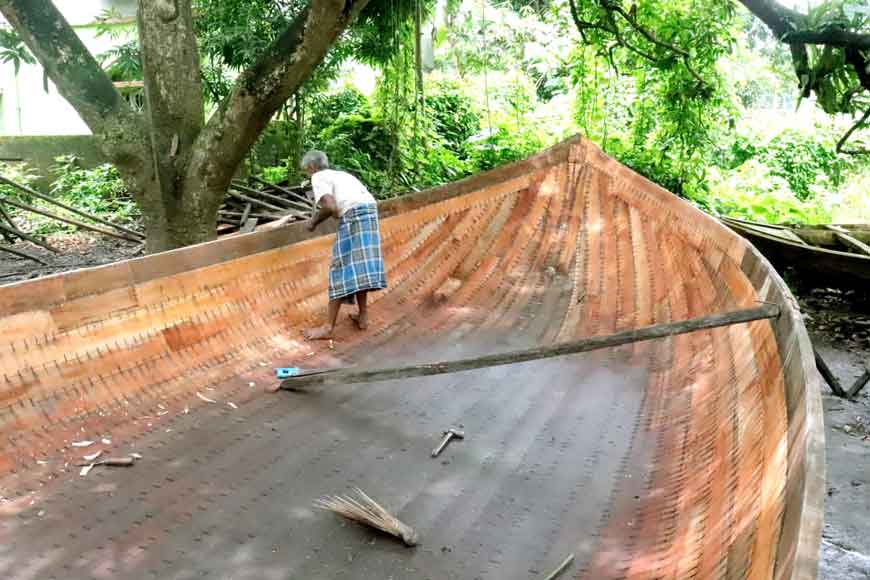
x=11, y=233
x=248, y=205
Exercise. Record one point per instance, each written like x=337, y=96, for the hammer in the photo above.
x=448, y=435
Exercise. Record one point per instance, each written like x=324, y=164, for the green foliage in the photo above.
x=753, y=192
x=13, y=50
x=100, y=191
x=123, y=62
x=325, y=109
x=804, y=163
x=452, y=115
x=275, y=173
x=361, y=145
x=502, y=146
x=19, y=172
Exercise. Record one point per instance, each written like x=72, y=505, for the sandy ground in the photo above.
x=839, y=324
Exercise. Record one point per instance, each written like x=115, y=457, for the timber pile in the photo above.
x=11, y=233
x=258, y=202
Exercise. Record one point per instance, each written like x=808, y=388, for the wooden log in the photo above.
x=289, y=192
x=349, y=375
x=829, y=377
x=273, y=198
x=52, y=201
x=84, y=226
x=250, y=226
x=859, y=385
x=21, y=254
x=13, y=231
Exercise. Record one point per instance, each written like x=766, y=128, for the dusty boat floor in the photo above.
x=227, y=493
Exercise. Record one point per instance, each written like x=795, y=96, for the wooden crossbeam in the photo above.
x=348, y=375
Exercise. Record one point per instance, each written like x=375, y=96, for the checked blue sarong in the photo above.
x=357, y=261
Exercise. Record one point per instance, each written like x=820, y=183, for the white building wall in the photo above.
x=26, y=108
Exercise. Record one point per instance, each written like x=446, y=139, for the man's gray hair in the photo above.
x=315, y=159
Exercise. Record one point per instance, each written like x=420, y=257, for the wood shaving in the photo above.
x=93, y=456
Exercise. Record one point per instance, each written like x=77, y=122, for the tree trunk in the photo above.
x=177, y=166
x=174, y=219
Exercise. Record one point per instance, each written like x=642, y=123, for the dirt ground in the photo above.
x=76, y=251
x=838, y=322
x=839, y=325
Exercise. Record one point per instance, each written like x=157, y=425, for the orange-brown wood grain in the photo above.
x=720, y=475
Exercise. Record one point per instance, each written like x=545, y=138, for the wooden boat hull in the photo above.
x=810, y=252
x=695, y=456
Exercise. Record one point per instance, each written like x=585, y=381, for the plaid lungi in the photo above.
x=357, y=262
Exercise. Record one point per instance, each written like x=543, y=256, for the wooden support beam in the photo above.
x=70, y=221
x=245, y=215
x=21, y=254
x=13, y=231
x=85, y=214
x=829, y=377
x=4, y=216
x=349, y=375
x=860, y=383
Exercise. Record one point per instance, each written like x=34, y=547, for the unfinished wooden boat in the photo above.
x=692, y=456
x=823, y=256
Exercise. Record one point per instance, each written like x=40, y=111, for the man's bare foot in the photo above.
x=361, y=322
x=319, y=333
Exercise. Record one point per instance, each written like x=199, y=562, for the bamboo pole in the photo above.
x=52, y=201
x=70, y=221
x=349, y=375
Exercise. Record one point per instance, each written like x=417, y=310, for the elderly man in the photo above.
x=357, y=265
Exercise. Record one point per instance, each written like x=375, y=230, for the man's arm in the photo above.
x=326, y=209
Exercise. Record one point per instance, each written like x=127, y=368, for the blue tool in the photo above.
x=286, y=372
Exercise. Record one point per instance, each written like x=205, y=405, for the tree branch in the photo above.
x=632, y=21
x=848, y=134
x=831, y=36
x=261, y=90
x=79, y=79
x=611, y=27
x=778, y=18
